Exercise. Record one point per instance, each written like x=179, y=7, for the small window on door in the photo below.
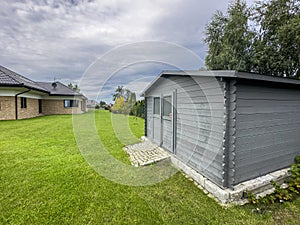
x=167, y=106
x=156, y=109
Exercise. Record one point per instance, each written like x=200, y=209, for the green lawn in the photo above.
x=45, y=180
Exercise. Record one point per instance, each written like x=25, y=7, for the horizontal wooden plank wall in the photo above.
x=156, y=130
x=149, y=119
x=200, y=125
x=167, y=135
x=267, y=129
x=199, y=131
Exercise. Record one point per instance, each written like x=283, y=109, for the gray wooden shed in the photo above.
x=229, y=126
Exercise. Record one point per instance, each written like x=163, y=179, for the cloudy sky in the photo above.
x=103, y=43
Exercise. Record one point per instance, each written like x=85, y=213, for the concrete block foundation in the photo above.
x=259, y=186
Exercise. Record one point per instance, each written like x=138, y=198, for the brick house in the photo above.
x=22, y=98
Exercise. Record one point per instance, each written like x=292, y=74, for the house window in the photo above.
x=23, y=103
x=156, y=109
x=167, y=106
x=68, y=103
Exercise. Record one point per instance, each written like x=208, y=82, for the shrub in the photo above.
x=281, y=194
x=294, y=181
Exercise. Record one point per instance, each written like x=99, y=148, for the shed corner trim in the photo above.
x=230, y=132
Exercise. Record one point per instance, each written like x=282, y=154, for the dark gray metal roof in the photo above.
x=225, y=74
x=11, y=78
x=60, y=89
x=207, y=73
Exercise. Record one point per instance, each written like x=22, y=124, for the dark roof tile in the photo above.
x=8, y=77
x=60, y=89
x=4, y=79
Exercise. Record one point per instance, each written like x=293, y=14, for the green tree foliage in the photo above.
x=102, y=103
x=120, y=106
x=214, y=36
x=131, y=100
x=138, y=109
x=229, y=39
x=75, y=87
x=272, y=47
x=126, y=103
x=119, y=92
x=277, y=43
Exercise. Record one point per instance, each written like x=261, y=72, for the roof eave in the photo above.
x=205, y=73
x=11, y=85
x=69, y=95
x=268, y=78
x=23, y=86
x=225, y=74
x=63, y=95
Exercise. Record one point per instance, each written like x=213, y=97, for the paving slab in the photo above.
x=145, y=153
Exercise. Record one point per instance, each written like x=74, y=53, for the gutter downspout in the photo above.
x=16, y=102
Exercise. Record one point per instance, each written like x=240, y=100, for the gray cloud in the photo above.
x=47, y=39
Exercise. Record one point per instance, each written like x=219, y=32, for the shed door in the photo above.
x=164, y=121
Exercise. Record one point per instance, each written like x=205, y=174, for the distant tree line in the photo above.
x=75, y=87
x=102, y=105
x=126, y=103
x=264, y=38
x=138, y=109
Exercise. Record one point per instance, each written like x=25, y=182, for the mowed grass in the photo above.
x=45, y=180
